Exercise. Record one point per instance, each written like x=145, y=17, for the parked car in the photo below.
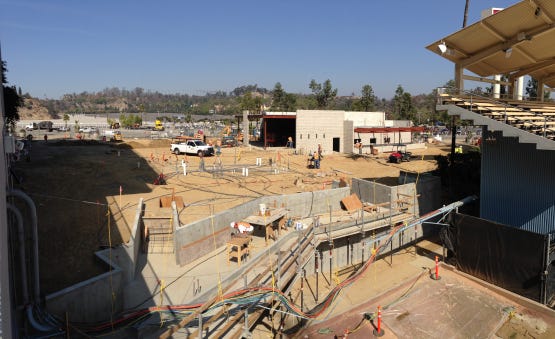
x=63, y=129
x=87, y=130
x=31, y=126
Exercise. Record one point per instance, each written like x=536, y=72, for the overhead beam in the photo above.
x=541, y=31
x=485, y=53
x=534, y=68
x=492, y=31
x=549, y=78
x=511, y=43
x=487, y=80
x=526, y=55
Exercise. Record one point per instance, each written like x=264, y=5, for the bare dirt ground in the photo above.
x=76, y=188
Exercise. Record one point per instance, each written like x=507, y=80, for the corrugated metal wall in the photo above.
x=517, y=185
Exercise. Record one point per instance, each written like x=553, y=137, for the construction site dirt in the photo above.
x=416, y=305
x=87, y=193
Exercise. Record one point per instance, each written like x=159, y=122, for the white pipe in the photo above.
x=34, y=238
x=21, y=239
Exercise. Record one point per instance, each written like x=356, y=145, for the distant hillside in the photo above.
x=121, y=101
x=33, y=109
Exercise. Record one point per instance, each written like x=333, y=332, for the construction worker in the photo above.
x=358, y=146
x=290, y=142
x=316, y=158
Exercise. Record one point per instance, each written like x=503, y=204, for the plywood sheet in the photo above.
x=352, y=203
x=167, y=201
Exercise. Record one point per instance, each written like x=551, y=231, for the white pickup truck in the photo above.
x=191, y=146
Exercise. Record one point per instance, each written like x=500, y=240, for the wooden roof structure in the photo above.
x=516, y=41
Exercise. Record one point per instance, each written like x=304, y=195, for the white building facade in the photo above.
x=335, y=131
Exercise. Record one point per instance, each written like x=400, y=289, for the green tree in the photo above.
x=131, y=120
x=367, y=100
x=290, y=103
x=136, y=120
x=257, y=104
x=66, y=119
x=282, y=101
x=278, y=98
x=398, y=102
x=247, y=102
x=532, y=90
x=323, y=93
x=403, y=107
x=12, y=101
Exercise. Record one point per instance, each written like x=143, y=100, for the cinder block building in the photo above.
x=334, y=130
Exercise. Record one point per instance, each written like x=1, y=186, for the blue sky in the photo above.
x=58, y=47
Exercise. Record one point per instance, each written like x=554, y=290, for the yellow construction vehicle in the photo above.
x=112, y=135
x=226, y=131
x=158, y=126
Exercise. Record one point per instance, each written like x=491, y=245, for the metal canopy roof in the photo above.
x=519, y=40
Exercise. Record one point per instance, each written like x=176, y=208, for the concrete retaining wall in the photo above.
x=90, y=300
x=194, y=240
x=428, y=188
x=372, y=192
x=357, y=248
x=396, y=197
x=93, y=300
x=428, y=192
x=128, y=261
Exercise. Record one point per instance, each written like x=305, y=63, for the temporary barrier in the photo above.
x=502, y=255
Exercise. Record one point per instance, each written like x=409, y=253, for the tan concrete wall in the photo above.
x=319, y=127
